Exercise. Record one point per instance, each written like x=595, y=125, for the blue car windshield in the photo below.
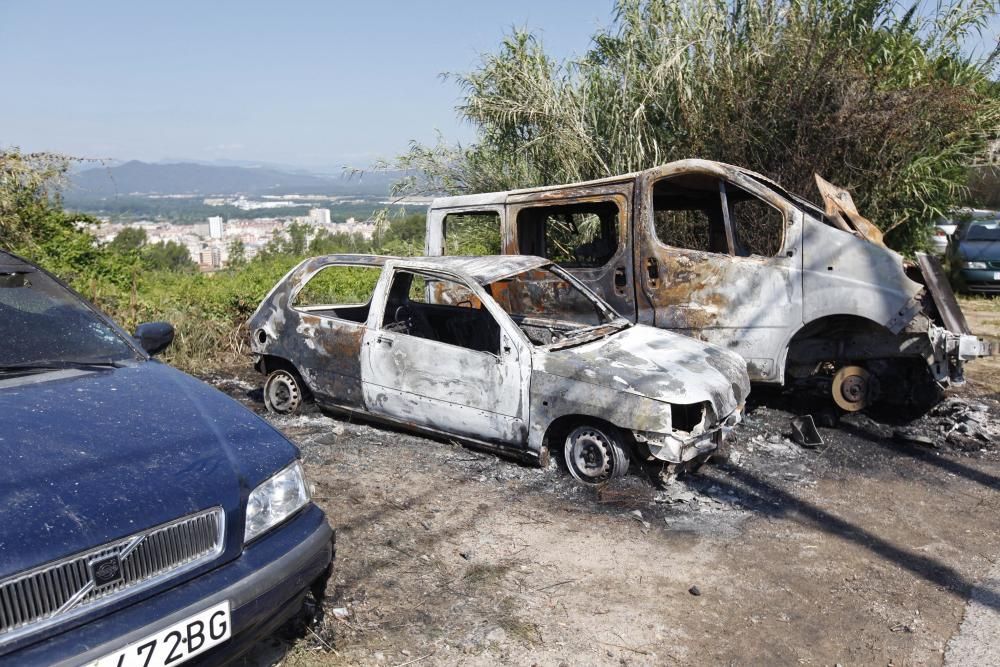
x=983, y=233
x=43, y=323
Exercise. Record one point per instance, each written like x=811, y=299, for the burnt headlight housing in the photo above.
x=274, y=500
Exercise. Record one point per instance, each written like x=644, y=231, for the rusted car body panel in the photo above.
x=808, y=289
x=640, y=379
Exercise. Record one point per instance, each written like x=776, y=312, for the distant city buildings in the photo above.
x=215, y=227
x=319, y=216
x=210, y=258
x=208, y=244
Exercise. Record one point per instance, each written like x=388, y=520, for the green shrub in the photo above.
x=891, y=103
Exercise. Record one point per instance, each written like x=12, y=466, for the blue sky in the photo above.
x=305, y=83
x=314, y=84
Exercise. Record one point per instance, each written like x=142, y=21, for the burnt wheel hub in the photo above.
x=852, y=388
x=590, y=453
x=281, y=393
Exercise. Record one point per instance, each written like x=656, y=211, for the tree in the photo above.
x=296, y=237
x=237, y=253
x=885, y=101
x=29, y=186
x=167, y=256
x=130, y=239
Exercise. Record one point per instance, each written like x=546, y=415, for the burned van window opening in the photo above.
x=442, y=310
x=583, y=235
x=758, y=227
x=548, y=308
x=688, y=214
x=340, y=291
x=472, y=233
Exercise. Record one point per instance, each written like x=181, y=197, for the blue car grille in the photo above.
x=994, y=264
x=73, y=585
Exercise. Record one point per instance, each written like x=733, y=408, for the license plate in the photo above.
x=996, y=275
x=175, y=644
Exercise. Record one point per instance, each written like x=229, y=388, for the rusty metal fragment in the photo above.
x=841, y=209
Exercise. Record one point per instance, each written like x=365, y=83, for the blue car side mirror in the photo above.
x=154, y=337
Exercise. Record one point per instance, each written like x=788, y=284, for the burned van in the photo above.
x=725, y=255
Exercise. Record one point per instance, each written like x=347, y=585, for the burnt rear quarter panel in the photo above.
x=326, y=351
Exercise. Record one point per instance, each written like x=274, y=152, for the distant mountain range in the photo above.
x=199, y=179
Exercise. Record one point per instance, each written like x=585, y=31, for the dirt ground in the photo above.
x=863, y=551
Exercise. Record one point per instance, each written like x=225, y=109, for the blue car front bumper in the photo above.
x=265, y=586
x=981, y=280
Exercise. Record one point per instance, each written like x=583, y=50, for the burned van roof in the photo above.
x=500, y=197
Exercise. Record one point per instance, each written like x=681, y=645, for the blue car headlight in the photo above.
x=973, y=265
x=275, y=500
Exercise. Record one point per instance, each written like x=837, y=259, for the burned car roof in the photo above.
x=481, y=269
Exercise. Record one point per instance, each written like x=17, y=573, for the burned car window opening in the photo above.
x=438, y=309
x=43, y=323
x=472, y=233
x=340, y=291
x=583, y=235
x=687, y=214
x=548, y=308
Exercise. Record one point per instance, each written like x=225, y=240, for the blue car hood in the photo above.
x=97, y=456
x=988, y=251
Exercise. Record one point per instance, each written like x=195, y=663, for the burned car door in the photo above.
x=435, y=356
x=720, y=259
x=583, y=230
x=329, y=312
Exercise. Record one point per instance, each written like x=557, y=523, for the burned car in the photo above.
x=511, y=353
x=804, y=294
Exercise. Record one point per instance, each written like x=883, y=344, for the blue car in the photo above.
x=145, y=518
x=974, y=256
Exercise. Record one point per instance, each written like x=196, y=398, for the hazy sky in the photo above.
x=307, y=83
x=304, y=83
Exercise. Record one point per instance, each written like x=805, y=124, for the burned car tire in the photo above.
x=596, y=453
x=283, y=392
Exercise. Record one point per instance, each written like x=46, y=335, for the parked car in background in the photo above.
x=974, y=256
x=945, y=227
x=145, y=518
x=509, y=353
x=941, y=235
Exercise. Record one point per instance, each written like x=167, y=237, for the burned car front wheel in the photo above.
x=596, y=453
x=283, y=392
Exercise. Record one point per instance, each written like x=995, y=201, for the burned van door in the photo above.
x=720, y=260
x=585, y=231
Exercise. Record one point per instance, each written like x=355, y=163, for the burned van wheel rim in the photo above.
x=588, y=454
x=851, y=388
x=282, y=393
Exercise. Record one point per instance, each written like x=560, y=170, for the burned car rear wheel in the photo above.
x=596, y=453
x=283, y=392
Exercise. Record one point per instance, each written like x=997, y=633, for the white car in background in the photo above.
x=945, y=227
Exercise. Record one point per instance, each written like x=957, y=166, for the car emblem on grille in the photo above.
x=106, y=570
x=47, y=594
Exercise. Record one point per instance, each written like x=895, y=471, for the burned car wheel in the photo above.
x=595, y=454
x=282, y=392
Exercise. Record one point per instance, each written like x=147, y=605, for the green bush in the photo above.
x=891, y=103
